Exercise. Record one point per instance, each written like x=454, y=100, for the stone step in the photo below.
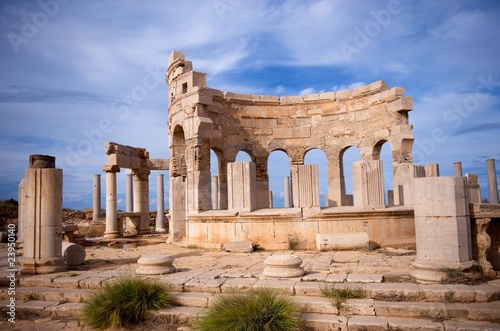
x=312, y=320
x=489, y=311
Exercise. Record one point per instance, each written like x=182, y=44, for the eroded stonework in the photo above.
x=203, y=119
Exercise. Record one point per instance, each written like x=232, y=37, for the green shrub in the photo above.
x=258, y=310
x=125, y=302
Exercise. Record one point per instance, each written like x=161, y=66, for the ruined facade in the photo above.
x=203, y=119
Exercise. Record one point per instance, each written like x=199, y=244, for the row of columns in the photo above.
x=368, y=183
x=137, y=201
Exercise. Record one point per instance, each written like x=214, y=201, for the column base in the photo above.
x=112, y=234
x=427, y=272
x=46, y=266
x=161, y=230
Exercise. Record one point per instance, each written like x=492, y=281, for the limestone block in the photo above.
x=305, y=186
x=242, y=186
x=403, y=183
x=155, y=265
x=474, y=189
x=339, y=241
x=283, y=266
x=432, y=170
x=442, y=227
x=327, y=96
x=73, y=253
x=368, y=184
x=402, y=104
x=238, y=246
x=290, y=100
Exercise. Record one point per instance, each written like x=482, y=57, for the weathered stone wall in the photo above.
x=203, y=119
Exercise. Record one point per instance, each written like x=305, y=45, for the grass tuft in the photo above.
x=257, y=310
x=338, y=296
x=125, y=303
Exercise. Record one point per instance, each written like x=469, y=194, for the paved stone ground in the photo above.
x=114, y=259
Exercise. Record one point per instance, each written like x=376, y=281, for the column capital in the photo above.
x=111, y=168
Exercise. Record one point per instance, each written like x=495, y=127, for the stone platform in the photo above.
x=392, y=301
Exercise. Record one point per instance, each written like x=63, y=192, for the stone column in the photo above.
x=215, y=192
x=270, y=197
x=43, y=217
x=305, y=186
x=160, y=205
x=141, y=199
x=368, y=184
x=129, y=200
x=21, y=210
x=492, y=180
x=242, y=186
x=111, y=207
x=457, y=168
x=286, y=192
x=96, y=207
x=442, y=227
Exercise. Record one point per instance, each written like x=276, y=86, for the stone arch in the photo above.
x=178, y=152
x=278, y=167
x=383, y=151
x=345, y=165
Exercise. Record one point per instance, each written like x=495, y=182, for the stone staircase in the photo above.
x=386, y=306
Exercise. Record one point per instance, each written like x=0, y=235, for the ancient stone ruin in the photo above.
x=442, y=216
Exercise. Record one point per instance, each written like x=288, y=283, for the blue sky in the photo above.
x=77, y=73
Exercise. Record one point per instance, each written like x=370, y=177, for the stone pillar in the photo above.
x=432, y=170
x=286, y=192
x=270, y=197
x=492, y=180
x=129, y=195
x=177, y=221
x=160, y=204
x=242, y=189
x=141, y=199
x=215, y=192
x=43, y=217
x=368, y=184
x=96, y=206
x=474, y=190
x=111, y=207
x=305, y=186
x=21, y=210
x=336, y=185
x=457, y=169
x=442, y=227
x=403, y=183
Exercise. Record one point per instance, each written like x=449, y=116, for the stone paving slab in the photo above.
x=315, y=305
x=469, y=326
x=238, y=285
x=67, y=310
x=184, y=314
x=364, y=323
x=188, y=299
x=310, y=288
x=364, y=278
x=322, y=322
x=430, y=310
x=414, y=324
x=204, y=285
x=365, y=307
x=281, y=286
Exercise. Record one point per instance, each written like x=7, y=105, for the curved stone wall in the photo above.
x=203, y=119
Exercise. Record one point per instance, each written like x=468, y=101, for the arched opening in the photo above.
x=347, y=157
x=214, y=183
x=317, y=156
x=177, y=158
x=243, y=156
x=278, y=165
x=383, y=151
